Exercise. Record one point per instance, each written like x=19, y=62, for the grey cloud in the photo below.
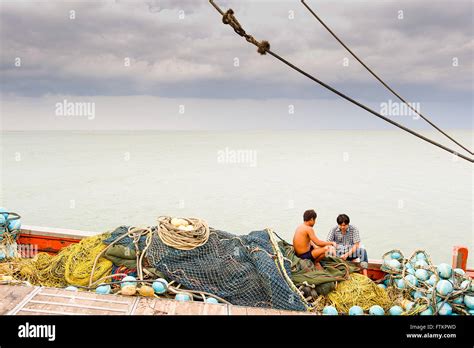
x=194, y=56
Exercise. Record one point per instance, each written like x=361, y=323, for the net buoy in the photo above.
x=129, y=290
x=376, y=310
x=469, y=301
x=212, y=300
x=146, y=291
x=422, y=274
x=182, y=297
x=444, y=270
x=356, y=310
x=160, y=286
x=395, y=310
x=128, y=280
x=444, y=309
x=329, y=310
x=103, y=289
x=444, y=287
x=71, y=288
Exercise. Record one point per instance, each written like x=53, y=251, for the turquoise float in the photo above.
x=395, y=264
x=128, y=280
x=400, y=283
x=160, y=286
x=329, y=310
x=410, y=278
x=396, y=255
x=444, y=287
x=432, y=280
x=376, y=310
x=356, y=310
x=4, y=212
x=421, y=274
x=212, y=300
x=383, y=286
x=182, y=297
x=428, y=311
x=14, y=225
x=459, y=271
x=469, y=301
x=71, y=288
x=103, y=289
x=418, y=294
x=459, y=300
x=395, y=310
x=444, y=309
x=421, y=264
x=444, y=270
x=420, y=256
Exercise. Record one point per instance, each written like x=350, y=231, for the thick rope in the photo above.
x=380, y=79
x=353, y=101
x=181, y=239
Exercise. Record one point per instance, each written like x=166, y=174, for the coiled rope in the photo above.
x=176, y=238
x=380, y=79
x=265, y=47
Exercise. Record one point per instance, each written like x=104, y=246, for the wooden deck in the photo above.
x=22, y=300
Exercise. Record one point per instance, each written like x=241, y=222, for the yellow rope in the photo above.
x=358, y=290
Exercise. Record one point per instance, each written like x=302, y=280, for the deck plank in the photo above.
x=11, y=296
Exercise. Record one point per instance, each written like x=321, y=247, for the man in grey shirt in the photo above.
x=347, y=241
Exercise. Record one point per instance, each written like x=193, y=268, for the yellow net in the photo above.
x=358, y=290
x=71, y=266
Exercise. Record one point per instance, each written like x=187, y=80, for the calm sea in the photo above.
x=400, y=192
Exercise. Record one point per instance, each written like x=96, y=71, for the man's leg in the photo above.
x=318, y=254
x=361, y=253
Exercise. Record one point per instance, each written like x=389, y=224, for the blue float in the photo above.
x=182, y=297
x=445, y=271
x=396, y=255
x=128, y=280
x=212, y=300
x=410, y=278
x=395, y=310
x=421, y=264
x=356, y=310
x=428, y=311
x=14, y=225
x=103, y=289
x=444, y=309
x=469, y=301
x=383, y=286
x=421, y=274
x=376, y=310
x=444, y=287
x=160, y=286
x=71, y=288
x=329, y=310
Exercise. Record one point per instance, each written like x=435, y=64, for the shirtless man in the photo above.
x=305, y=242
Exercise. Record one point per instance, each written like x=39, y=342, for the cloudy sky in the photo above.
x=174, y=65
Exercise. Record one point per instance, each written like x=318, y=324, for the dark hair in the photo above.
x=309, y=214
x=343, y=219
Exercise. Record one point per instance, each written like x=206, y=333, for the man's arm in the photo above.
x=316, y=240
x=351, y=251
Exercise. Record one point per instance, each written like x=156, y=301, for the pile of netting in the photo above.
x=71, y=266
x=421, y=287
x=337, y=285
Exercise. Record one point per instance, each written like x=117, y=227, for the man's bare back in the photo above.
x=305, y=242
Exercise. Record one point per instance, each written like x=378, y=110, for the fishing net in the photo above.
x=71, y=266
x=245, y=270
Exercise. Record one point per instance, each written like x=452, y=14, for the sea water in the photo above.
x=399, y=191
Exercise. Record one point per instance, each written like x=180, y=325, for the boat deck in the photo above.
x=23, y=300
